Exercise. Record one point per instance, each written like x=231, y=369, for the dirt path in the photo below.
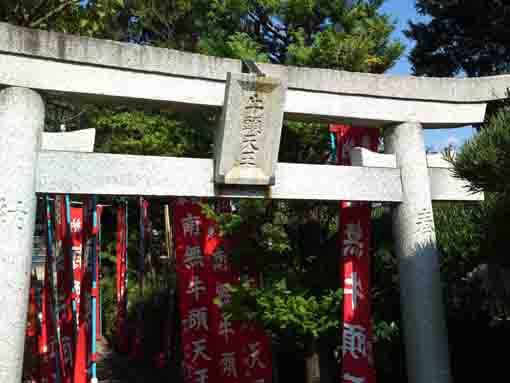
x=115, y=368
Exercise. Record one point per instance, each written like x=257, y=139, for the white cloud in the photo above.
x=453, y=141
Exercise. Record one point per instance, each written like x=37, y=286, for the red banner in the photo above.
x=83, y=350
x=122, y=232
x=65, y=278
x=48, y=345
x=77, y=241
x=354, y=231
x=32, y=312
x=242, y=350
x=216, y=348
x=193, y=292
x=32, y=335
x=77, y=234
x=97, y=232
x=255, y=355
x=225, y=333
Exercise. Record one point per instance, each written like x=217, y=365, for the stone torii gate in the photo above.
x=34, y=63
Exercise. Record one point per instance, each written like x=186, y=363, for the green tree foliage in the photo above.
x=44, y=14
x=461, y=37
x=100, y=18
x=485, y=159
x=349, y=35
x=293, y=244
x=294, y=316
x=484, y=162
x=152, y=132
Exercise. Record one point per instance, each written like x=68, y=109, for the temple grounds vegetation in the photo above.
x=295, y=244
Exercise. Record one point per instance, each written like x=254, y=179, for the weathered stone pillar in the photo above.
x=21, y=125
x=425, y=333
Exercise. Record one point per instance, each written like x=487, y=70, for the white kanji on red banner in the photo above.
x=355, y=289
x=353, y=240
x=201, y=376
x=220, y=260
x=193, y=257
x=228, y=364
x=354, y=341
x=197, y=319
x=196, y=287
x=75, y=225
x=199, y=350
x=191, y=225
x=225, y=329
x=254, y=354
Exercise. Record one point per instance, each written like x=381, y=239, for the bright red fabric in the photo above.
x=354, y=231
x=193, y=291
x=65, y=277
x=122, y=332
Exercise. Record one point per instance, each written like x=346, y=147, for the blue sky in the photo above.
x=403, y=11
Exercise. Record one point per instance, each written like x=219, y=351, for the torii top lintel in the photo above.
x=87, y=67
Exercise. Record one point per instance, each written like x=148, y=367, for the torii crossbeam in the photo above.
x=35, y=62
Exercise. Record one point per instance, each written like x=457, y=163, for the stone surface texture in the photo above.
x=437, y=160
x=248, y=138
x=425, y=333
x=117, y=85
x=103, y=69
x=21, y=125
x=445, y=187
x=85, y=50
x=112, y=174
x=77, y=141
x=364, y=157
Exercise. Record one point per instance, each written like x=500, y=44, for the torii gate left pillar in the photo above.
x=21, y=125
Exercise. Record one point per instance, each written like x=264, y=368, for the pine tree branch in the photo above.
x=39, y=21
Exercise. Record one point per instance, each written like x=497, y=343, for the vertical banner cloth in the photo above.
x=225, y=333
x=354, y=233
x=48, y=346
x=242, y=350
x=99, y=212
x=77, y=234
x=83, y=352
x=122, y=232
x=93, y=226
x=193, y=292
x=65, y=282
x=31, y=334
x=216, y=348
x=32, y=325
x=48, y=340
x=256, y=359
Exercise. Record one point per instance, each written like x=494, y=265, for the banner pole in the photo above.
x=69, y=248
x=49, y=269
x=93, y=345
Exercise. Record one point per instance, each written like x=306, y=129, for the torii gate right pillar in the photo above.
x=425, y=334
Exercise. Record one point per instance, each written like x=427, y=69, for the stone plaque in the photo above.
x=248, y=138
